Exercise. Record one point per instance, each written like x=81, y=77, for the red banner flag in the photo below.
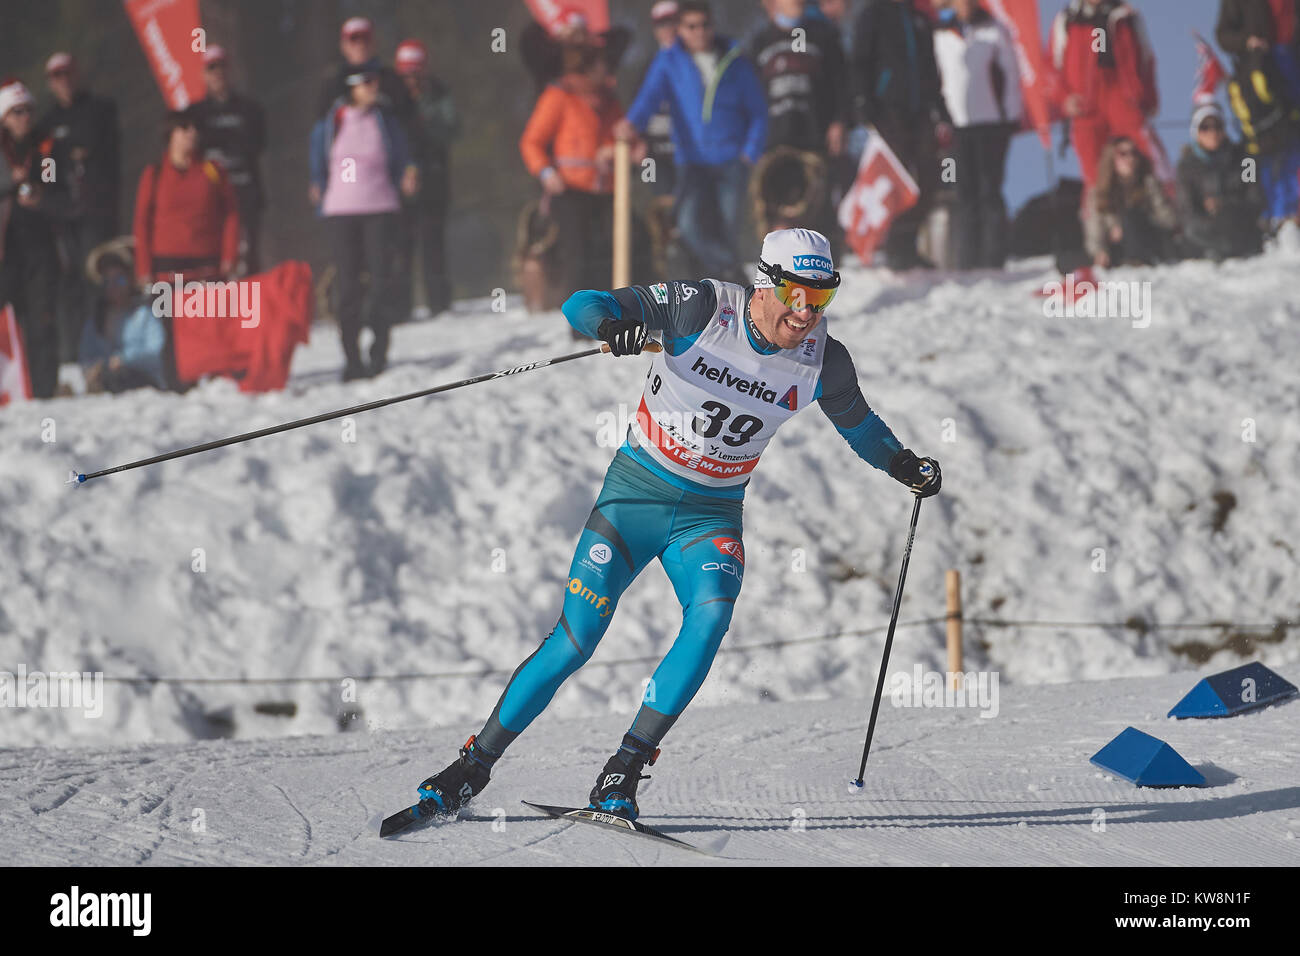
x=15, y=386
x=166, y=31
x=881, y=191
x=556, y=15
x=1020, y=17
x=254, y=344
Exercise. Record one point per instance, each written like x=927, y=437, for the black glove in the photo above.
x=922, y=475
x=625, y=336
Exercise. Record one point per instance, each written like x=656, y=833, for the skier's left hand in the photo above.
x=922, y=475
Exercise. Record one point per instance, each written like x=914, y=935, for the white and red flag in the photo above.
x=881, y=191
x=168, y=31
x=15, y=386
x=1209, y=71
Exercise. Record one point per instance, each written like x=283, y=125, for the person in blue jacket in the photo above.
x=122, y=343
x=719, y=130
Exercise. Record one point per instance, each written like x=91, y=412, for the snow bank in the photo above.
x=438, y=540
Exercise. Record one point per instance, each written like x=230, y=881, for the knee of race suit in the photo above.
x=709, y=620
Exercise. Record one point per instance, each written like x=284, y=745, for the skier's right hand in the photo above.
x=624, y=336
x=922, y=475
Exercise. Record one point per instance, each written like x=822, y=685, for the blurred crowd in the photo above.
x=766, y=130
x=729, y=137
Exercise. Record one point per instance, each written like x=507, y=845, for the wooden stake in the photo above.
x=622, y=273
x=953, y=581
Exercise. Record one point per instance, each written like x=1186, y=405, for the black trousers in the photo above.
x=912, y=140
x=1233, y=232
x=979, y=231
x=250, y=234
x=365, y=245
x=76, y=295
x=29, y=278
x=585, y=245
x=423, y=248
x=1142, y=243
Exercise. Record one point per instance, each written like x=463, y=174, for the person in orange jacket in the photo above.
x=1105, y=82
x=568, y=145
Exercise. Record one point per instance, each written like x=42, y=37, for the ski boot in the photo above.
x=615, y=790
x=445, y=793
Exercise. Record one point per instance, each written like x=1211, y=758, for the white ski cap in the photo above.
x=800, y=251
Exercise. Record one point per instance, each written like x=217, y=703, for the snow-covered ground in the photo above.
x=438, y=540
x=755, y=783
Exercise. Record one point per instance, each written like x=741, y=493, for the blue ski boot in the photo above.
x=615, y=790
x=445, y=793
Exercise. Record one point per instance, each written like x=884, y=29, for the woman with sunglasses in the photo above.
x=361, y=168
x=1129, y=219
x=1219, y=209
x=737, y=363
x=29, y=260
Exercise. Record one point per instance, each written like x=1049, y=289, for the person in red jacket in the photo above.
x=186, y=212
x=1105, y=82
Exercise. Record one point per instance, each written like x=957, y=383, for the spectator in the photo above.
x=83, y=135
x=1219, y=209
x=29, y=260
x=543, y=51
x=1261, y=36
x=186, y=213
x=805, y=82
x=357, y=46
x=659, y=127
x=232, y=129
x=981, y=88
x=1130, y=219
x=434, y=125
x=719, y=121
x=1264, y=26
x=568, y=145
x=899, y=93
x=361, y=166
x=1106, y=92
x=840, y=15
x=122, y=341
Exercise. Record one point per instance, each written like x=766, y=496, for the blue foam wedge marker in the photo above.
x=1146, y=761
x=1233, y=692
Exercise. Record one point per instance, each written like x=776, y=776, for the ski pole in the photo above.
x=327, y=416
x=889, y=641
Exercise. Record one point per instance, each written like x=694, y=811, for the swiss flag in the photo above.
x=880, y=192
x=15, y=386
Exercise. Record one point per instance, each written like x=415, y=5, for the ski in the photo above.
x=610, y=821
x=405, y=819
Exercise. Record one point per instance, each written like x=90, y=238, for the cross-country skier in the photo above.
x=736, y=364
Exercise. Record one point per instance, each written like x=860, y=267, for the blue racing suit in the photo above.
x=644, y=512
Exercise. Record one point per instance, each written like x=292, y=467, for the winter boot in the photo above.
x=445, y=793
x=615, y=790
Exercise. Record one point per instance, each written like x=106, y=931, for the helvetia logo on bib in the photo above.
x=790, y=399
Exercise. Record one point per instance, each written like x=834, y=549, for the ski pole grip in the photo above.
x=648, y=347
